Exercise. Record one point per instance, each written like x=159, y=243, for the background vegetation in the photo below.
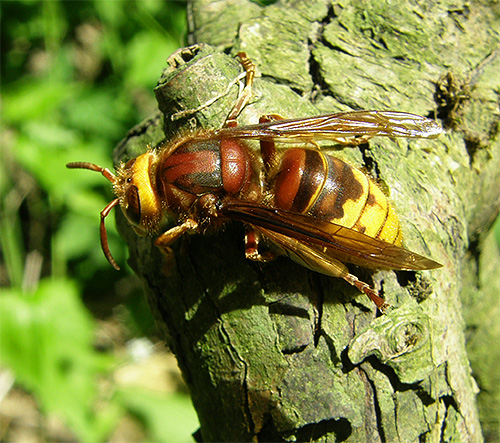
x=78, y=353
x=77, y=348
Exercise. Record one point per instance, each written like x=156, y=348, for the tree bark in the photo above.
x=276, y=352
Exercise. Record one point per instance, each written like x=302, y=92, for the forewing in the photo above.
x=311, y=256
x=344, y=125
x=330, y=239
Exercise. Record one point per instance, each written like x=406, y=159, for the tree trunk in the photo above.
x=276, y=352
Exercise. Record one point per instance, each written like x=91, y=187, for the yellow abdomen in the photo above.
x=310, y=182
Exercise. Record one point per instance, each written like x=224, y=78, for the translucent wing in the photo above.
x=338, y=127
x=327, y=239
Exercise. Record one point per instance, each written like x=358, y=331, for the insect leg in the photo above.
x=170, y=236
x=268, y=147
x=372, y=293
x=245, y=96
x=252, y=239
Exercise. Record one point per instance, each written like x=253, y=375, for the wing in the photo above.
x=327, y=239
x=309, y=256
x=338, y=126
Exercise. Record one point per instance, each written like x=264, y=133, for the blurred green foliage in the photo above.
x=75, y=77
x=52, y=355
x=496, y=229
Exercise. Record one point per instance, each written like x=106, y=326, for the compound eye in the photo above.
x=129, y=164
x=133, y=208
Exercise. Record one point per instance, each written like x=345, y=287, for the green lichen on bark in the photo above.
x=278, y=352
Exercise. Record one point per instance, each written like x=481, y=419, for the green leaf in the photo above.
x=32, y=98
x=99, y=112
x=168, y=417
x=148, y=53
x=46, y=340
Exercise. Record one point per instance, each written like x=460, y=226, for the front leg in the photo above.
x=168, y=237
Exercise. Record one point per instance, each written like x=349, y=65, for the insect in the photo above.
x=310, y=206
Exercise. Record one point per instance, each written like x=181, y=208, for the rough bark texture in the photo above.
x=277, y=352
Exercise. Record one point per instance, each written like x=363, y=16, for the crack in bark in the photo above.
x=341, y=428
x=449, y=403
x=247, y=409
x=315, y=283
x=396, y=384
x=371, y=400
x=319, y=81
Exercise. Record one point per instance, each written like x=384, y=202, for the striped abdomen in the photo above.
x=307, y=181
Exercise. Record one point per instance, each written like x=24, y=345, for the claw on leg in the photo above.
x=372, y=293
